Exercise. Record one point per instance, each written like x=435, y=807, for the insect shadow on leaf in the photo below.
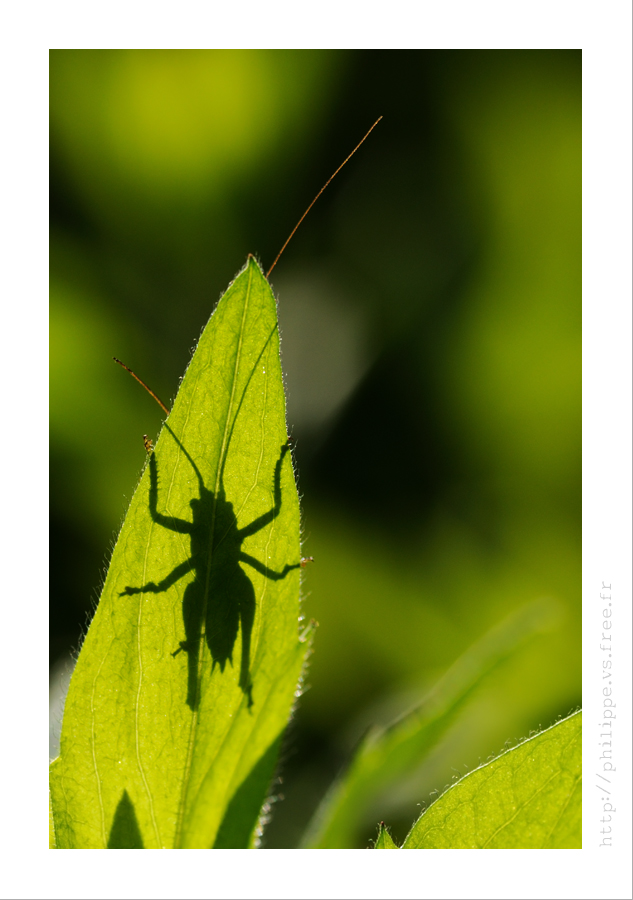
x=221, y=596
x=125, y=833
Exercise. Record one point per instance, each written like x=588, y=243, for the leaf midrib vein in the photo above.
x=194, y=718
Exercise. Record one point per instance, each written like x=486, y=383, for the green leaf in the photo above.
x=189, y=670
x=528, y=798
x=387, y=755
x=384, y=840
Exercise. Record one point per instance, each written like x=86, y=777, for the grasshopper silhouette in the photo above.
x=221, y=596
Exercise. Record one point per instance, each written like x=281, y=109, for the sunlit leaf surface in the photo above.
x=384, y=840
x=188, y=673
x=528, y=798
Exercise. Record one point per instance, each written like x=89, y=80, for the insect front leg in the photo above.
x=268, y=517
x=153, y=588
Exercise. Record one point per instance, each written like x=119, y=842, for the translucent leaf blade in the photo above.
x=384, y=841
x=528, y=798
x=189, y=669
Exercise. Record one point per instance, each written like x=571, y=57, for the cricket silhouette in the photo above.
x=221, y=596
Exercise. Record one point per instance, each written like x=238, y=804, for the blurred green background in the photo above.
x=430, y=320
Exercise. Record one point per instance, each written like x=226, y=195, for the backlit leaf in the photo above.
x=384, y=840
x=528, y=798
x=189, y=670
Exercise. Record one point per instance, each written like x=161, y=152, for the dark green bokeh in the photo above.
x=430, y=315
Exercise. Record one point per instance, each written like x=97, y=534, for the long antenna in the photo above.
x=141, y=382
x=317, y=197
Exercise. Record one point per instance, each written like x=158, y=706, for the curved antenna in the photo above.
x=141, y=382
x=149, y=446
x=186, y=452
x=239, y=405
x=319, y=194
